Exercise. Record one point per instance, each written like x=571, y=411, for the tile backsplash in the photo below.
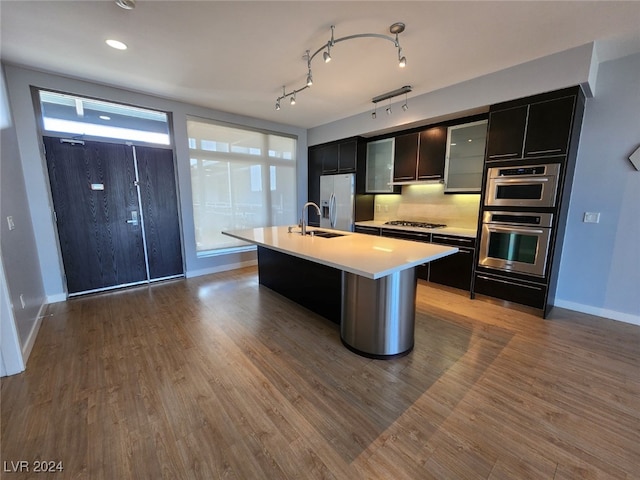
x=429, y=203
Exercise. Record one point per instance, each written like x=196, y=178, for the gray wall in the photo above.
x=18, y=86
x=21, y=270
x=600, y=269
x=564, y=69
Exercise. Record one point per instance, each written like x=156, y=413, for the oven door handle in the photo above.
x=523, y=179
x=491, y=228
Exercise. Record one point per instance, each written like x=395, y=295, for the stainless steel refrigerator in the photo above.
x=337, y=201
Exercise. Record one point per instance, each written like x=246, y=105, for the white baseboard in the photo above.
x=58, y=297
x=31, y=339
x=221, y=268
x=600, y=312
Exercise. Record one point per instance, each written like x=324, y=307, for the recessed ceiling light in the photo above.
x=126, y=4
x=116, y=44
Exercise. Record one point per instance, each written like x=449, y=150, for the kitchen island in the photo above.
x=367, y=284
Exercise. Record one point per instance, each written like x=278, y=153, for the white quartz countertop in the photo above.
x=460, y=232
x=366, y=255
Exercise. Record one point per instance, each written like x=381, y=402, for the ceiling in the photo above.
x=235, y=56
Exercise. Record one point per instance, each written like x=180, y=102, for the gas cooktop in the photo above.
x=406, y=223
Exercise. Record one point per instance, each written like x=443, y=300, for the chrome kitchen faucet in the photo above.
x=303, y=225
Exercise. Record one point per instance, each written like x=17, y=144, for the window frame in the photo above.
x=248, y=159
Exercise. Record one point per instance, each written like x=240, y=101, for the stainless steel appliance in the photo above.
x=515, y=241
x=522, y=186
x=407, y=223
x=337, y=201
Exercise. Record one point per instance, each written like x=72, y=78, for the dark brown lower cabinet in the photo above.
x=455, y=270
x=518, y=291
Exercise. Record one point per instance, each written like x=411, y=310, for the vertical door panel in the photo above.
x=94, y=195
x=160, y=211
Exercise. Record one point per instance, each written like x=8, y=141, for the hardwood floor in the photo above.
x=217, y=377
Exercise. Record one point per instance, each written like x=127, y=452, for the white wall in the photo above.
x=19, y=81
x=20, y=274
x=600, y=268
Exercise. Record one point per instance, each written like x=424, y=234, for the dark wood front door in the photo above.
x=160, y=211
x=99, y=219
x=95, y=197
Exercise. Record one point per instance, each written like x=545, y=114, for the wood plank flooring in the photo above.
x=218, y=377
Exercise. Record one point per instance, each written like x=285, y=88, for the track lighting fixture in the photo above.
x=388, y=96
x=395, y=29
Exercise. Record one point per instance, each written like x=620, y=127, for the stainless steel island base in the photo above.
x=378, y=316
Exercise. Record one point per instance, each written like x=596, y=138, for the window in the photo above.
x=240, y=178
x=73, y=115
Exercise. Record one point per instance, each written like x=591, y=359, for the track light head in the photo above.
x=309, y=79
x=388, y=110
x=403, y=62
x=327, y=56
x=405, y=107
x=293, y=99
x=373, y=115
x=278, y=105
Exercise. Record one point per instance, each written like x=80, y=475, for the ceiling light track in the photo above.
x=396, y=29
x=388, y=96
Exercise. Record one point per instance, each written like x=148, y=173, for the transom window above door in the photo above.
x=68, y=114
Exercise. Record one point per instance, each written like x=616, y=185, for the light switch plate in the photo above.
x=591, y=217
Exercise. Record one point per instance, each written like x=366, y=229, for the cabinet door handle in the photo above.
x=538, y=152
x=504, y=155
x=443, y=237
x=509, y=283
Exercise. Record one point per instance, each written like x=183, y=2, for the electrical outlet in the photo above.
x=22, y=302
x=12, y=226
x=591, y=217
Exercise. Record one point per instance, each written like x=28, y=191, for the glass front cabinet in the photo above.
x=465, y=157
x=380, y=166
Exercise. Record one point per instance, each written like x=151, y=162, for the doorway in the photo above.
x=116, y=211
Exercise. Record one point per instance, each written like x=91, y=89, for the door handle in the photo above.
x=134, y=218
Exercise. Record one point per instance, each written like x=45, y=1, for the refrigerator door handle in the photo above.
x=335, y=212
x=332, y=210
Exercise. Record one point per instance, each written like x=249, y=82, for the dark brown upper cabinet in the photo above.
x=340, y=157
x=527, y=131
x=432, y=153
x=549, y=127
x=506, y=133
x=420, y=155
x=405, y=157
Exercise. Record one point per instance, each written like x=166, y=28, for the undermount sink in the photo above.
x=324, y=234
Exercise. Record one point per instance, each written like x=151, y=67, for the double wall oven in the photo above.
x=518, y=221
